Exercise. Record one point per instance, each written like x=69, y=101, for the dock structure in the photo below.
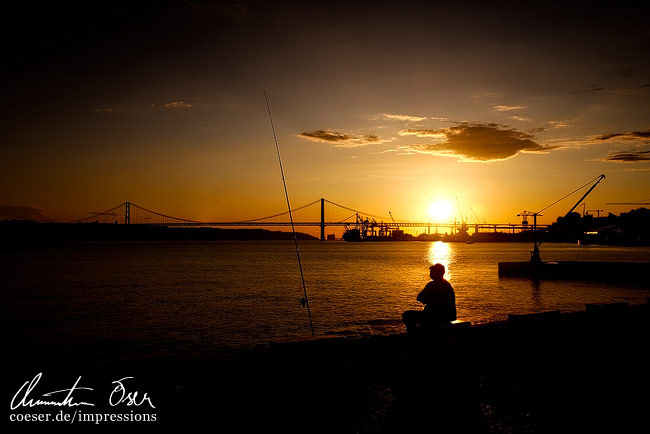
x=550, y=371
x=580, y=270
x=537, y=372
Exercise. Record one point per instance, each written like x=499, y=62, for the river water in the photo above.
x=189, y=298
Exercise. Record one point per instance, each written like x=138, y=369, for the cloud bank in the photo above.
x=22, y=212
x=477, y=142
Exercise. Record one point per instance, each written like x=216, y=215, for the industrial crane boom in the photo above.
x=462, y=219
x=600, y=178
x=478, y=220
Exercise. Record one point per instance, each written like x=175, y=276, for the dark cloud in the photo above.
x=172, y=105
x=22, y=212
x=629, y=157
x=588, y=89
x=627, y=90
x=643, y=86
x=342, y=140
x=547, y=125
x=633, y=135
x=117, y=109
x=638, y=139
x=477, y=142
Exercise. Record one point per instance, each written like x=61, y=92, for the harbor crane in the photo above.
x=525, y=214
x=535, y=258
x=478, y=220
x=600, y=178
x=463, y=220
x=394, y=223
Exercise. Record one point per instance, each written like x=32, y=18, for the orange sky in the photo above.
x=377, y=107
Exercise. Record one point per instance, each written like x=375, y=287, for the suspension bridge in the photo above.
x=320, y=213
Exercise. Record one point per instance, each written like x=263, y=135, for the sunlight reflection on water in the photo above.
x=440, y=253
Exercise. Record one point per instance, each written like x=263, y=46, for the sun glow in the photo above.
x=440, y=210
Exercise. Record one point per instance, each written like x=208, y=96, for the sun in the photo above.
x=441, y=210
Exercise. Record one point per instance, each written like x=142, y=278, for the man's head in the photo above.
x=437, y=271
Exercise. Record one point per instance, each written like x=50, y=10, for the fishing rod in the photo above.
x=305, y=300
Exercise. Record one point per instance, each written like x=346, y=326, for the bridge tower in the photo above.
x=127, y=213
x=322, y=219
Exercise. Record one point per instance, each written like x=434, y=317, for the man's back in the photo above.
x=439, y=299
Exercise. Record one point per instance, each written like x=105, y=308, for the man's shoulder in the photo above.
x=444, y=285
x=438, y=284
x=430, y=284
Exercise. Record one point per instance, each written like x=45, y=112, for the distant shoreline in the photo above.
x=17, y=232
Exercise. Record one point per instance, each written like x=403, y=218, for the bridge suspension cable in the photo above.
x=163, y=215
x=347, y=218
x=109, y=212
x=280, y=214
x=357, y=211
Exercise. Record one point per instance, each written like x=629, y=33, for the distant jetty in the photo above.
x=577, y=270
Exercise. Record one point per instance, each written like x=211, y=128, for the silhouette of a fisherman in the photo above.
x=534, y=255
x=439, y=302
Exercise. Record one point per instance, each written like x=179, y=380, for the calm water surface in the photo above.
x=191, y=297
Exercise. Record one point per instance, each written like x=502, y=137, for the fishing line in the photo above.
x=305, y=300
